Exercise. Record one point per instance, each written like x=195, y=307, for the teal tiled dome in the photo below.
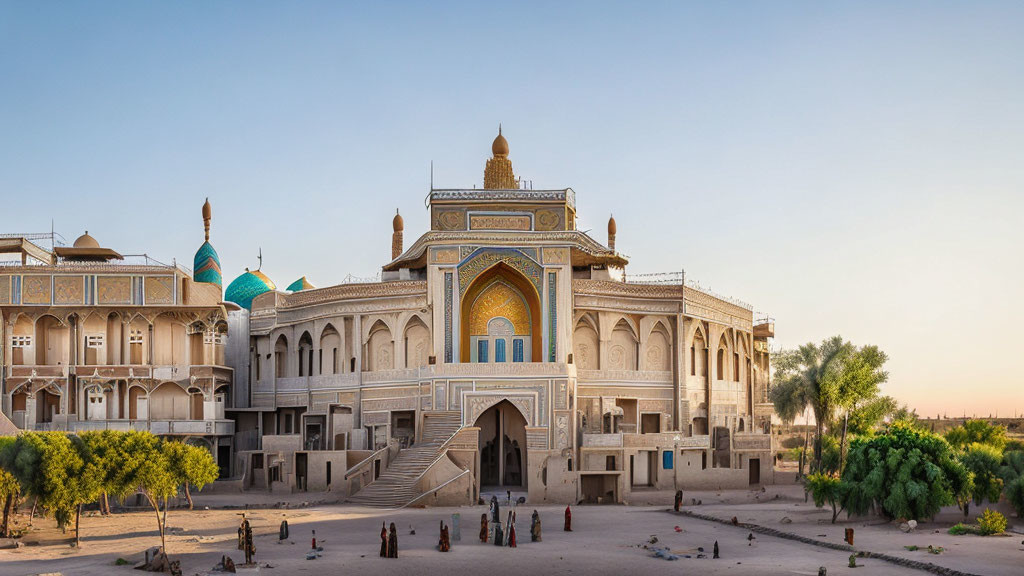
x=206, y=266
x=300, y=285
x=243, y=289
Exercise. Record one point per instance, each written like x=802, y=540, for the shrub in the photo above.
x=961, y=529
x=907, y=473
x=983, y=461
x=1015, y=494
x=826, y=489
x=1014, y=446
x=977, y=431
x=991, y=522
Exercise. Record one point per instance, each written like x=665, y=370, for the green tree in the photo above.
x=10, y=490
x=144, y=465
x=983, y=461
x=979, y=431
x=869, y=416
x=190, y=466
x=858, y=383
x=826, y=489
x=906, y=473
x=104, y=464
x=1012, y=474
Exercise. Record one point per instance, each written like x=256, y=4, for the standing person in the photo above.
x=241, y=533
x=497, y=534
x=314, y=540
x=535, y=527
x=392, y=541
x=679, y=500
x=568, y=520
x=483, y=528
x=444, y=542
x=383, y=541
x=495, y=509
x=282, y=533
x=248, y=541
x=512, y=531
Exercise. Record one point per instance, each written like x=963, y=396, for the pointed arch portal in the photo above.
x=500, y=318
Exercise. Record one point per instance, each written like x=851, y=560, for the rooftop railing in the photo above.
x=677, y=279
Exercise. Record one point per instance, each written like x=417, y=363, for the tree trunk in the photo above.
x=78, y=522
x=842, y=443
x=818, y=428
x=807, y=444
x=8, y=504
x=188, y=496
x=32, y=514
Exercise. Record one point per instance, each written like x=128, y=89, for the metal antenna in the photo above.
x=260, y=259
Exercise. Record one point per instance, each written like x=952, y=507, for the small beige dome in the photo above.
x=611, y=225
x=86, y=241
x=398, y=223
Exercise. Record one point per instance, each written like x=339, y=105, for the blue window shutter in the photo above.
x=481, y=351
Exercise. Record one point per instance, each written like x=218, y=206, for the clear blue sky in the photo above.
x=852, y=168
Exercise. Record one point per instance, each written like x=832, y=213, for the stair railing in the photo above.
x=363, y=463
x=436, y=488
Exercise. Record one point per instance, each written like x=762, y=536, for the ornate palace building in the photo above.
x=503, y=348
x=96, y=340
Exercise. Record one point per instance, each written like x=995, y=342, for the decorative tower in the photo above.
x=396, y=237
x=206, y=264
x=498, y=171
x=611, y=233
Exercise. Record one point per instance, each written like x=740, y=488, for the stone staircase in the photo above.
x=396, y=486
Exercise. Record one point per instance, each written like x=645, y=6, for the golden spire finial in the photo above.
x=498, y=173
x=207, y=216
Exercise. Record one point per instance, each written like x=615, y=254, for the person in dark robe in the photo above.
x=383, y=541
x=679, y=500
x=568, y=520
x=249, y=543
x=715, y=551
x=241, y=533
x=498, y=540
x=444, y=544
x=483, y=528
x=535, y=527
x=392, y=541
x=495, y=509
x=512, y=530
x=282, y=533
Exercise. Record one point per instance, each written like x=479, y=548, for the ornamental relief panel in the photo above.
x=68, y=290
x=159, y=290
x=562, y=435
x=548, y=219
x=444, y=256
x=380, y=393
x=485, y=258
x=518, y=222
x=5, y=289
x=449, y=220
x=536, y=438
x=35, y=290
x=556, y=255
x=114, y=290
x=408, y=403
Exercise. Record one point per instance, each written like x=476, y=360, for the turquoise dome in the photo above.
x=206, y=266
x=300, y=285
x=243, y=289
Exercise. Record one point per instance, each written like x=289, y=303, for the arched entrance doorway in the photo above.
x=502, y=446
x=500, y=318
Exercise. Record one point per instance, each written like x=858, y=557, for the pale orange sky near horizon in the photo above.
x=848, y=168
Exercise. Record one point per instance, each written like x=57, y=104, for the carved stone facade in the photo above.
x=506, y=319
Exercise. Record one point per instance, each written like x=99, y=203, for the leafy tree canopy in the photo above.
x=907, y=473
x=977, y=431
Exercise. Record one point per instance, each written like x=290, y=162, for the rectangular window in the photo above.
x=481, y=351
x=21, y=341
x=517, y=350
x=499, y=350
x=135, y=337
x=94, y=341
x=693, y=361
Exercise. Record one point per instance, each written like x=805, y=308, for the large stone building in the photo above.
x=95, y=340
x=503, y=348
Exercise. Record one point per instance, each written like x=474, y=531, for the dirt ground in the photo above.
x=605, y=540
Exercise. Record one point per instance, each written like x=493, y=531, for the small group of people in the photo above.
x=388, y=541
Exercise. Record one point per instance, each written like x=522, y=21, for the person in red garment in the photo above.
x=568, y=519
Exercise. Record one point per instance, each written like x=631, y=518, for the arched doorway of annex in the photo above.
x=502, y=447
x=500, y=318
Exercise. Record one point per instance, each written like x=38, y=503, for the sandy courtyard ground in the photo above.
x=605, y=540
